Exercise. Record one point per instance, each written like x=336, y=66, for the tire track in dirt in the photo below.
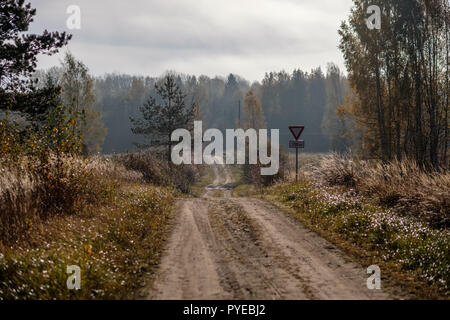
x=242, y=248
x=188, y=270
x=324, y=270
x=246, y=264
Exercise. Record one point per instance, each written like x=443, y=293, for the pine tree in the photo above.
x=164, y=114
x=18, y=57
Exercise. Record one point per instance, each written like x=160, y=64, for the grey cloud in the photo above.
x=197, y=35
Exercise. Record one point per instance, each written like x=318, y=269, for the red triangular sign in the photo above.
x=297, y=131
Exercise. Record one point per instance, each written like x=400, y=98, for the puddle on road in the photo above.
x=223, y=188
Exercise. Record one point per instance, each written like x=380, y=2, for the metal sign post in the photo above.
x=297, y=144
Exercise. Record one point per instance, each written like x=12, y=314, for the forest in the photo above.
x=309, y=99
x=392, y=103
x=400, y=80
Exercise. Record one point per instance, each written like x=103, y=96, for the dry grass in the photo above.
x=58, y=209
x=401, y=185
x=32, y=190
x=106, y=167
x=157, y=171
x=93, y=213
x=116, y=245
x=251, y=173
x=374, y=234
x=393, y=214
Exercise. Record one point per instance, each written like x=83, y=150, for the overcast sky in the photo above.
x=211, y=37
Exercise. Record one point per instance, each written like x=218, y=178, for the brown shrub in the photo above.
x=400, y=184
x=252, y=172
x=157, y=171
x=35, y=189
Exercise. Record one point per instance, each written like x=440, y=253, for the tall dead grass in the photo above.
x=157, y=171
x=32, y=189
x=400, y=184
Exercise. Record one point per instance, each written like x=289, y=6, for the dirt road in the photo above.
x=244, y=248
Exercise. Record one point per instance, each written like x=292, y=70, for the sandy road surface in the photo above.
x=242, y=248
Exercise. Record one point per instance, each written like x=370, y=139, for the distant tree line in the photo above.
x=310, y=99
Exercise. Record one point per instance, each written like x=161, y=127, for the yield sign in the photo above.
x=297, y=131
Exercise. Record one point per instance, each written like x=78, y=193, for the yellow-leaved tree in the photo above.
x=77, y=93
